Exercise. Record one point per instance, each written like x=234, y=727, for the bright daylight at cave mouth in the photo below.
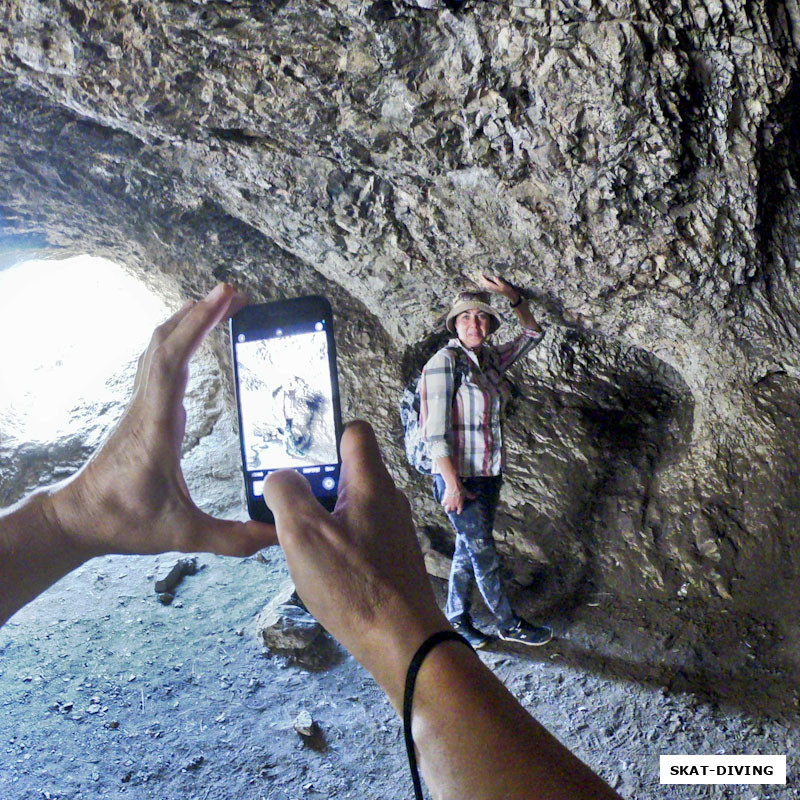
x=71, y=332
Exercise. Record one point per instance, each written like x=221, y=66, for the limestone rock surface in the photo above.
x=630, y=164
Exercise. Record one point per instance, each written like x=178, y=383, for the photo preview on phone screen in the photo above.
x=286, y=402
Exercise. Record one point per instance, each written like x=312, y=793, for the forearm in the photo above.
x=525, y=317
x=447, y=470
x=33, y=545
x=476, y=741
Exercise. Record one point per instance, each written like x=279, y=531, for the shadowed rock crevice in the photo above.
x=609, y=418
x=778, y=208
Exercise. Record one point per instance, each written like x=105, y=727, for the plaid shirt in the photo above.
x=467, y=426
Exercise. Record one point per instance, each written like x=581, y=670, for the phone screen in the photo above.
x=287, y=392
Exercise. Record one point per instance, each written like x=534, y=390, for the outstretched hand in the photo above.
x=497, y=285
x=131, y=497
x=360, y=569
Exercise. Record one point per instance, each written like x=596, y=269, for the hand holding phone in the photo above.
x=287, y=393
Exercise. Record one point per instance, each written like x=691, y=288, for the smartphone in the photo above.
x=287, y=393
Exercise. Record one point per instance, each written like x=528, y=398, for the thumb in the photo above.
x=289, y=497
x=230, y=538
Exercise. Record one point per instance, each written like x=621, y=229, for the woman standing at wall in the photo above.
x=463, y=395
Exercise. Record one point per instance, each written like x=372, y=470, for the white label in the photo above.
x=723, y=769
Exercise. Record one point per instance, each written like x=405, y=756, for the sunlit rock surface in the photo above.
x=631, y=164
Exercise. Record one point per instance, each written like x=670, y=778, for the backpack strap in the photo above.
x=462, y=367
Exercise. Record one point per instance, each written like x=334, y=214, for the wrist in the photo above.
x=32, y=545
x=66, y=517
x=388, y=653
x=449, y=667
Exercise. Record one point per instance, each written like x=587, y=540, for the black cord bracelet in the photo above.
x=408, y=697
x=519, y=300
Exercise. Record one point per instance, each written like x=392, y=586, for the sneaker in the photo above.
x=478, y=639
x=522, y=632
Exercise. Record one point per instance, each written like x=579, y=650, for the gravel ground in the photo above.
x=107, y=693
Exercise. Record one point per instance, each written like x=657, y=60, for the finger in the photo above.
x=160, y=335
x=363, y=469
x=200, y=319
x=169, y=325
x=163, y=331
x=289, y=496
x=239, y=301
x=167, y=361
x=137, y=381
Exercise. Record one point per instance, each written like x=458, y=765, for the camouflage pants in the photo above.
x=475, y=560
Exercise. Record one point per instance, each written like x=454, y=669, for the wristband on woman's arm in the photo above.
x=408, y=697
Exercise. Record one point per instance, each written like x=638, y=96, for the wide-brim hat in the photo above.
x=466, y=301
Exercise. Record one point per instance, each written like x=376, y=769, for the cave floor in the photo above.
x=107, y=693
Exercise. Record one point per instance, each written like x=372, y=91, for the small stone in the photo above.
x=195, y=762
x=284, y=625
x=94, y=708
x=168, y=584
x=304, y=724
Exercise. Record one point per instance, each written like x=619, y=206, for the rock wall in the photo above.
x=629, y=162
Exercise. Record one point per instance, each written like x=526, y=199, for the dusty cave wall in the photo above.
x=630, y=163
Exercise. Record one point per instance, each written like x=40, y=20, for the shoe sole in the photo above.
x=475, y=645
x=478, y=645
x=528, y=644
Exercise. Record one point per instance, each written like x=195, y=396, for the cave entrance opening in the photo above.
x=71, y=331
